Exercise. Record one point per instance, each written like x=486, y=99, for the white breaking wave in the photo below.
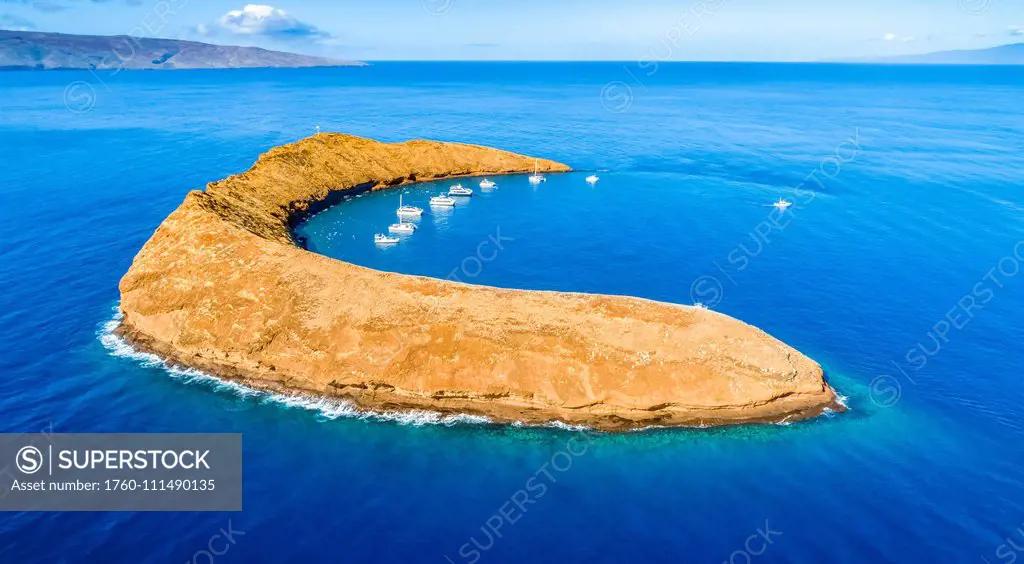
x=649, y=427
x=829, y=413
x=565, y=426
x=785, y=421
x=329, y=409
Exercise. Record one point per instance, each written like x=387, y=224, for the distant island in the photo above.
x=1012, y=54
x=30, y=50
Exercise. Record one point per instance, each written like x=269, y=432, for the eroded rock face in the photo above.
x=222, y=286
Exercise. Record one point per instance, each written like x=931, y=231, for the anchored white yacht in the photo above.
x=410, y=211
x=782, y=204
x=487, y=184
x=458, y=190
x=382, y=239
x=442, y=201
x=402, y=228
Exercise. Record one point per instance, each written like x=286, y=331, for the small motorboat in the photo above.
x=382, y=239
x=593, y=178
x=782, y=204
x=699, y=305
x=408, y=211
x=402, y=228
x=443, y=201
x=486, y=184
x=458, y=190
x=536, y=177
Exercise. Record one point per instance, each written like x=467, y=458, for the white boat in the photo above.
x=536, y=177
x=782, y=204
x=699, y=305
x=487, y=184
x=442, y=201
x=593, y=178
x=402, y=228
x=409, y=211
x=458, y=190
x=382, y=239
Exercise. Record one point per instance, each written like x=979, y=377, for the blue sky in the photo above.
x=679, y=30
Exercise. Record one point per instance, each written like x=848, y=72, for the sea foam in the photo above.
x=325, y=408
x=328, y=409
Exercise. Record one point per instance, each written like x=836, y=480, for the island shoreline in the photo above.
x=225, y=287
x=140, y=343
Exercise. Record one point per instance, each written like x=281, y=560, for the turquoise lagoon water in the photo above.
x=897, y=269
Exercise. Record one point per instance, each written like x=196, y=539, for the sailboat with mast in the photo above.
x=536, y=177
x=407, y=211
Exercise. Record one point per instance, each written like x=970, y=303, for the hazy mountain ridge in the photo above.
x=52, y=51
x=1012, y=54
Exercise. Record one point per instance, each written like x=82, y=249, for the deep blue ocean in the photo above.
x=897, y=268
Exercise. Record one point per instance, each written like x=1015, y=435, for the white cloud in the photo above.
x=1016, y=31
x=268, y=21
x=893, y=37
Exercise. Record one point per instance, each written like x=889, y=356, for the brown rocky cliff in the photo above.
x=221, y=286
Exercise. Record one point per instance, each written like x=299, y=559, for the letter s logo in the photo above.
x=616, y=96
x=706, y=290
x=79, y=97
x=29, y=460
